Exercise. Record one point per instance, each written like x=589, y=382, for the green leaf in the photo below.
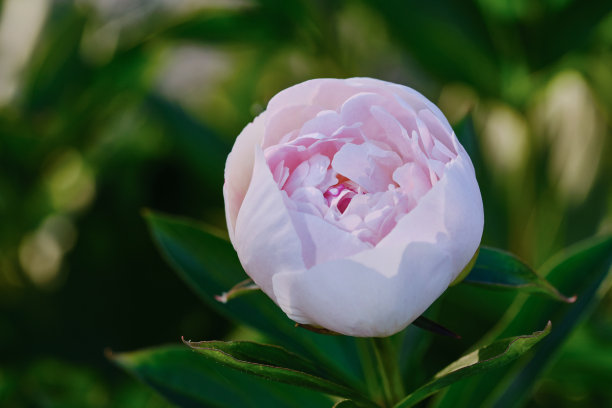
x=494, y=355
x=594, y=257
x=190, y=380
x=346, y=404
x=207, y=262
x=275, y=363
x=580, y=269
x=501, y=269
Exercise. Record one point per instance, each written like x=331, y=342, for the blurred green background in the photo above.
x=111, y=106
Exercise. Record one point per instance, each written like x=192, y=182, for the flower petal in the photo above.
x=449, y=215
x=239, y=167
x=357, y=299
x=264, y=218
x=380, y=291
x=367, y=165
x=323, y=241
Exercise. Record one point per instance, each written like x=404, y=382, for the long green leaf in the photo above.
x=494, y=355
x=275, y=363
x=580, y=269
x=207, y=262
x=346, y=404
x=501, y=269
x=594, y=256
x=190, y=380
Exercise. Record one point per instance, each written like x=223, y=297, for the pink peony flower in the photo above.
x=352, y=204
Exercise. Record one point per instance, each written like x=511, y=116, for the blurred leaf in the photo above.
x=252, y=25
x=199, y=144
x=501, y=269
x=274, y=363
x=190, y=380
x=580, y=269
x=595, y=256
x=449, y=39
x=56, y=59
x=466, y=134
x=346, y=404
x=494, y=355
x=551, y=37
x=207, y=262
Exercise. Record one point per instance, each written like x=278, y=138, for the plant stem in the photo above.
x=388, y=370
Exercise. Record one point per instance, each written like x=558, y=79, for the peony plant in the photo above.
x=352, y=206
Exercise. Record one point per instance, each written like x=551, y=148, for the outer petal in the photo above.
x=264, y=237
x=355, y=299
x=327, y=93
x=239, y=167
x=450, y=215
x=380, y=291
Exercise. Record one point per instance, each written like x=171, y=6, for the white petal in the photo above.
x=286, y=120
x=356, y=299
x=380, y=291
x=323, y=241
x=302, y=93
x=449, y=215
x=239, y=167
x=264, y=219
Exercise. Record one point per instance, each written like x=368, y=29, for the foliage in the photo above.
x=115, y=106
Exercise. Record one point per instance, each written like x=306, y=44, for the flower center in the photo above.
x=341, y=194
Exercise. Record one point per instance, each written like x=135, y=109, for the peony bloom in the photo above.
x=352, y=204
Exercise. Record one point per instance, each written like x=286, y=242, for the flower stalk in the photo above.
x=387, y=366
x=380, y=364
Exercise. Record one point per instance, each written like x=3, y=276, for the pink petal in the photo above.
x=264, y=218
x=326, y=122
x=399, y=278
x=387, y=302
x=322, y=241
x=412, y=179
x=367, y=165
x=285, y=120
x=239, y=167
x=438, y=129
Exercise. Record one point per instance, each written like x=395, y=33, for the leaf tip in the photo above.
x=108, y=353
x=222, y=298
x=317, y=329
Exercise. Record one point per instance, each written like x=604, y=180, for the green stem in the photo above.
x=388, y=370
x=368, y=364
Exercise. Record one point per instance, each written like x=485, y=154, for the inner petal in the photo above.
x=367, y=165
